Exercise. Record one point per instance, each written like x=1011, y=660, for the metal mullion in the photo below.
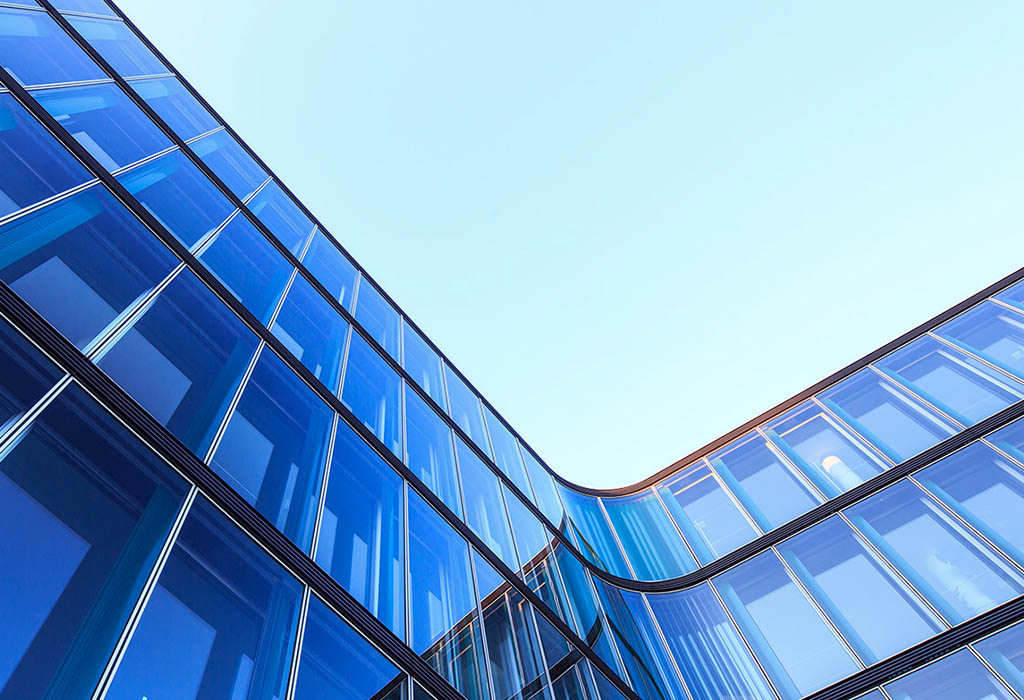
x=53, y=199
x=675, y=525
x=854, y=435
x=731, y=496
x=293, y=672
x=93, y=15
x=999, y=370
x=406, y=567
x=69, y=84
x=325, y=482
x=1003, y=453
x=995, y=674
x=142, y=161
x=229, y=414
x=200, y=246
x=656, y=623
x=545, y=669
x=211, y=132
x=615, y=536
x=789, y=466
x=136, y=78
x=486, y=653
x=251, y=196
x=909, y=393
x=280, y=302
x=16, y=431
x=1008, y=307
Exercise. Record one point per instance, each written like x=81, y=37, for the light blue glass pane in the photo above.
x=177, y=193
x=960, y=385
x=1013, y=295
x=378, y=317
x=597, y=543
x=1005, y=652
x=464, y=408
x=96, y=7
x=485, y=512
x=372, y=391
x=957, y=677
x=423, y=365
x=947, y=564
x=873, y=695
x=183, y=360
x=36, y=51
x=1010, y=439
x=992, y=332
x=361, y=534
x=652, y=543
x=708, y=650
x=602, y=688
x=274, y=447
x=84, y=511
x=170, y=99
x=542, y=577
x=221, y=622
x=282, y=217
x=790, y=638
x=763, y=482
x=506, y=453
x=574, y=591
x=313, y=331
x=28, y=375
x=429, y=450
x=544, y=490
x=331, y=268
x=105, y=122
x=81, y=262
x=708, y=518
x=118, y=45
x=877, y=613
x=230, y=162
x=530, y=537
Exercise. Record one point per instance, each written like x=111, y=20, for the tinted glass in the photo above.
x=118, y=45
x=96, y=7
x=651, y=541
x=181, y=111
x=464, y=408
x=429, y=450
x=506, y=453
x=597, y=543
x=28, y=375
x=992, y=332
x=282, y=217
x=1005, y=652
x=378, y=317
x=957, y=677
x=36, y=51
x=530, y=537
x=230, y=162
x=312, y=331
x=423, y=365
x=372, y=391
x=575, y=592
x=544, y=490
x=485, y=511
x=334, y=271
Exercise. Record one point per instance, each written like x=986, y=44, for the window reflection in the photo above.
x=423, y=365
x=485, y=509
x=506, y=452
x=313, y=331
x=230, y=162
x=282, y=217
x=959, y=676
x=378, y=317
x=37, y=51
x=652, y=543
x=464, y=408
x=331, y=268
x=992, y=332
x=429, y=450
x=179, y=109
x=1005, y=652
x=372, y=391
x=118, y=45
x=597, y=543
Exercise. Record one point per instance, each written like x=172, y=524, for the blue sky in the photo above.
x=634, y=226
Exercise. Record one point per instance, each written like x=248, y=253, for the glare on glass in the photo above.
x=506, y=452
x=372, y=390
x=378, y=317
x=96, y=7
x=464, y=409
x=118, y=45
x=597, y=543
x=530, y=536
x=652, y=542
x=422, y=364
x=282, y=217
x=230, y=162
x=178, y=107
x=36, y=51
x=544, y=490
x=313, y=331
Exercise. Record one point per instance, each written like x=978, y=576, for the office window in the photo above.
x=179, y=109
x=485, y=511
x=992, y=332
x=430, y=452
x=378, y=317
x=27, y=376
x=544, y=490
x=506, y=453
x=596, y=541
x=96, y=7
x=652, y=543
x=423, y=365
x=118, y=45
x=312, y=331
x=372, y=390
x=37, y=51
x=574, y=591
x=959, y=676
x=464, y=408
x=530, y=537
x=282, y=217
x=331, y=268
x=1005, y=652
x=230, y=162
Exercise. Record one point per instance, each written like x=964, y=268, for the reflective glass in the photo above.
x=542, y=577
x=1013, y=295
x=602, y=688
x=790, y=638
x=423, y=364
x=27, y=376
x=485, y=511
x=568, y=686
x=221, y=622
x=992, y=332
x=361, y=537
x=96, y=7
x=84, y=511
x=82, y=262
x=429, y=450
x=506, y=452
x=959, y=676
x=544, y=491
x=179, y=109
x=333, y=270
x=530, y=537
x=183, y=360
x=947, y=564
x=575, y=592
x=274, y=447
x=651, y=541
x=1005, y=652
x=33, y=165
x=282, y=217
x=230, y=162
x=464, y=408
x=312, y=331
x=104, y=122
x=181, y=198
x=763, y=482
x=378, y=317
x=36, y=51
x=372, y=390
x=597, y=543
x=118, y=45
x=1010, y=439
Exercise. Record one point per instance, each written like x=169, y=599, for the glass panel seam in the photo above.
x=325, y=482
x=667, y=651
x=855, y=437
x=293, y=672
x=53, y=199
x=615, y=537
x=675, y=525
x=914, y=395
x=233, y=404
x=999, y=370
x=790, y=467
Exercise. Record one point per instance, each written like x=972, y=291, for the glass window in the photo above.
x=429, y=450
x=877, y=613
x=84, y=511
x=27, y=376
x=1010, y=439
x=423, y=365
x=282, y=217
x=575, y=592
x=1013, y=295
x=597, y=543
x=948, y=565
x=530, y=537
x=82, y=262
x=763, y=482
x=36, y=51
x=181, y=198
x=828, y=455
x=372, y=391
x=464, y=408
x=1005, y=652
x=378, y=317
x=485, y=512
x=33, y=165
x=362, y=538
x=96, y=7
x=312, y=331
x=959, y=676
x=652, y=543
x=221, y=622
x=178, y=107
x=789, y=636
x=992, y=332
x=230, y=162
x=249, y=265
x=118, y=45
x=708, y=518
x=183, y=360
x=544, y=491
x=333, y=270
x=568, y=686
x=506, y=453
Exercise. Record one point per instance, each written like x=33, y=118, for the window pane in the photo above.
x=174, y=190
x=221, y=622
x=81, y=262
x=464, y=408
x=575, y=592
x=36, y=51
x=429, y=450
x=378, y=317
x=958, y=574
x=28, y=376
x=331, y=268
x=651, y=541
x=530, y=537
x=85, y=511
x=96, y=7
x=119, y=45
x=361, y=535
x=372, y=391
x=485, y=512
x=597, y=543
x=183, y=359
x=544, y=491
x=230, y=162
x=423, y=365
x=1005, y=651
x=957, y=677
x=991, y=332
x=282, y=217
x=791, y=640
x=506, y=453
x=170, y=99
x=1010, y=439
x=313, y=331
x=1013, y=295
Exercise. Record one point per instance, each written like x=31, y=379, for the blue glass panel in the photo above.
x=372, y=390
x=423, y=365
x=172, y=101
x=464, y=408
x=429, y=450
x=485, y=512
x=177, y=193
x=249, y=265
x=530, y=537
x=568, y=686
x=274, y=447
x=763, y=482
x=542, y=577
x=118, y=45
x=84, y=511
x=602, y=688
x=105, y=122
x=652, y=543
x=282, y=217
x=361, y=537
x=544, y=491
x=506, y=453
x=574, y=591
x=333, y=270
x=378, y=317
x=312, y=331
x=337, y=663
x=36, y=51
x=96, y=7
x=1010, y=439
x=33, y=165
x=183, y=360
x=1013, y=295
x=947, y=564
x=959, y=676
x=1005, y=652
x=597, y=543
x=992, y=332
x=221, y=622
x=27, y=376
x=230, y=162
x=81, y=262
x=790, y=638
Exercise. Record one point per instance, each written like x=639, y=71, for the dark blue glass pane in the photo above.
x=33, y=165
x=105, y=122
x=506, y=453
x=991, y=332
x=282, y=217
x=81, y=262
x=1005, y=652
x=174, y=190
x=333, y=270
x=27, y=376
x=118, y=45
x=230, y=162
x=96, y=7
x=568, y=686
x=652, y=542
x=36, y=51
x=378, y=317
x=176, y=106
x=249, y=266
x=596, y=540
x=274, y=448
x=959, y=676
x=183, y=360
x=372, y=391
x=313, y=331
x=485, y=512
x=221, y=622
x=429, y=451
x=362, y=537
x=423, y=365
x=464, y=408
x=84, y=511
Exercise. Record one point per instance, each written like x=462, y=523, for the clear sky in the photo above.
x=634, y=226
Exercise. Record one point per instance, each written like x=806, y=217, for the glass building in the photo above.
x=232, y=468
